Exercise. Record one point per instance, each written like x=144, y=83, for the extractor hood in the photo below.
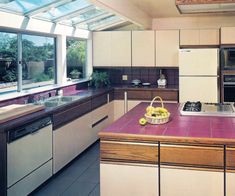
x=205, y=6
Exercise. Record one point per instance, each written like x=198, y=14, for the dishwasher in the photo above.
x=29, y=157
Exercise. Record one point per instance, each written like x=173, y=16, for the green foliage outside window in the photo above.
x=76, y=58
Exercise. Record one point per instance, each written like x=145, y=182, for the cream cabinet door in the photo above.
x=179, y=182
x=167, y=48
x=143, y=48
x=70, y=140
x=128, y=180
x=120, y=48
x=132, y=104
x=101, y=48
x=209, y=36
x=207, y=89
x=189, y=37
x=230, y=180
x=228, y=35
x=118, y=109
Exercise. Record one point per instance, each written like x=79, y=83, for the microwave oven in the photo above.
x=227, y=58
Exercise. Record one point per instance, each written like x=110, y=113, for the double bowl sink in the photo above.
x=56, y=101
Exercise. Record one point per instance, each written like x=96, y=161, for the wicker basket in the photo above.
x=158, y=119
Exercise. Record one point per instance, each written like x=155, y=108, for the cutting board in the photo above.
x=14, y=111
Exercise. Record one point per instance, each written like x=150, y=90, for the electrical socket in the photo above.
x=124, y=77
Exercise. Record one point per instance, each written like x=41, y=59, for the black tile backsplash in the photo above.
x=149, y=74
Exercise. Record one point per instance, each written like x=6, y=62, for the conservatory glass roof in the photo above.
x=76, y=13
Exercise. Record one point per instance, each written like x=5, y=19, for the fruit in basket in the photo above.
x=142, y=121
x=150, y=109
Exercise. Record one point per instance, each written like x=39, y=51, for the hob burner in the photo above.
x=192, y=106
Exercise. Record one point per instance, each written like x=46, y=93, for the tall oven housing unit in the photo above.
x=198, y=75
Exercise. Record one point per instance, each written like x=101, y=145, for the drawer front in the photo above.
x=62, y=118
x=230, y=158
x=129, y=152
x=166, y=95
x=99, y=101
x=139, y=95
x=192, y=156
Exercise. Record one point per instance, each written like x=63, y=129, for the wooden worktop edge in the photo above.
x=171, y=139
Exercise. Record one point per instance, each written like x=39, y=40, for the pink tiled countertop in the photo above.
x=197, y=129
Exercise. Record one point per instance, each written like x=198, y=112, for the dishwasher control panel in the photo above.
x=28, y=129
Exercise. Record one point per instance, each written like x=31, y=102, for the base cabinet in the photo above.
x=178, y=182
x=128, y=180
x=230, y=180
x=70, y=140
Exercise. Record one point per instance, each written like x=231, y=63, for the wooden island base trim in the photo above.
x=230, y=158
x=142, y=138
x=129, y=152
x=195, y=156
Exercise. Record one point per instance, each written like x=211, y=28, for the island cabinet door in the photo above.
x=191, y=170
x=230, y=171
x=128, y=168
x=128, y=180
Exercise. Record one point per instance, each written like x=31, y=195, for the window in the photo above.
x=8, y=61
x=38, y=58
x=38, y=61
x=76, y=58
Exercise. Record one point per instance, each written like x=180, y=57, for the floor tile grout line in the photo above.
x=78, y=177
x=93, y=189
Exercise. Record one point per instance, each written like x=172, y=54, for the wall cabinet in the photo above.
x=112, y=48
x=228, y=35
x=197, y=37
x=143, y=48
x=101, y=48
x=167, y=48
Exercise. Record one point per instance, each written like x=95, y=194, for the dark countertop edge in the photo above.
x=152, y=88
x=92, y=93
x=5, y=127
x=165, y=139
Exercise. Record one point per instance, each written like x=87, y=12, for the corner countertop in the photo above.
x=151, y=87
x=193, y=129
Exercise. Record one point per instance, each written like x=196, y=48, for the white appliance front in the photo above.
x=198, y=62
x=204, y=89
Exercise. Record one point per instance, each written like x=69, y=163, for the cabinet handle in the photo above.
x=125, y=102
x=99, y=121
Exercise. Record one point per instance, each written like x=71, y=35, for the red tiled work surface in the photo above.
x=185, y=128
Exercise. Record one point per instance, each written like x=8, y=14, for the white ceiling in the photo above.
x=157, y=8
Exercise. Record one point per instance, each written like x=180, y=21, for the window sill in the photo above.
x=13, y=95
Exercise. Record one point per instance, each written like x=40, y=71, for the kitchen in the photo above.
x=145, y=50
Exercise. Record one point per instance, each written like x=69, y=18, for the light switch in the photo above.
x=124, y=77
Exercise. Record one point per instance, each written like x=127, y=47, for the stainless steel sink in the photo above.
x=59, y=100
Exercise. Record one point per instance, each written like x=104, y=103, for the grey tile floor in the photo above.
x=80, y=178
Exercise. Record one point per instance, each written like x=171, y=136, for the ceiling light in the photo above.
x=205, y=6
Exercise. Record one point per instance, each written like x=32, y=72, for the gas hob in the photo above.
x=207, y=109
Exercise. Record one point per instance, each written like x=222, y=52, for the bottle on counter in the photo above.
x=162, y=82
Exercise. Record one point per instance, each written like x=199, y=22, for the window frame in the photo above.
x=20, y=33
x=86, y=61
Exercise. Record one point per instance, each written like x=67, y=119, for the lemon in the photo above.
x=149, y=109
x=142, y=121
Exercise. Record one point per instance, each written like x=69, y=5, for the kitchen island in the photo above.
x=187, y=156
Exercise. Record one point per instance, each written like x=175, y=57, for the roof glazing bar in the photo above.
x=107, y=25
x=95, y=18
x=74, y=13
x=46, y=7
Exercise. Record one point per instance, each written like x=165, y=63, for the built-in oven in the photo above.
x=227, y=58
x=229, y=88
